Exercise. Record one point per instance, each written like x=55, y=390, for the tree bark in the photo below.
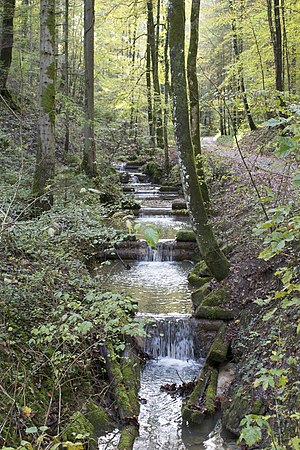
x=237, y=45
x=166, y=107
x=66, y=78
x=155, y=76
x=209, y=248
x=6, y=43
x=45, y=159
x=194, y=98
x=276, y=38
x=149, y=89
x=89, y=154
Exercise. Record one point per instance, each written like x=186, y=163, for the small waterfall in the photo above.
x=170, y=337
x=164, y=251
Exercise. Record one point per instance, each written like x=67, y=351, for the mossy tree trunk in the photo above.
x=45, y=159
x=6, y=42
x=89, y=154
x=237, y=45
x=155, y=75
x=166, y=106
x=194, y=98
x=209, y=248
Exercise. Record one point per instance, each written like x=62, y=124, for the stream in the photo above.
x=173, y=340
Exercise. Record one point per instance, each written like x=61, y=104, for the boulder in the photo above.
x=185, y=236
x=213, y=313
x=218, y=350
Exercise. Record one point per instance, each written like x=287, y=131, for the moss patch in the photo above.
x=217, y=297
x=202, y=399
x=199, y=295
x=186, y=236
x=78, y=424
x=128, y=436
x=196, y=281
x=99, y=418
x=219, y=348
x=213, y=313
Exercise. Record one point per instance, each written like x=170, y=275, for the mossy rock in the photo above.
x=180, y=212
x=219, y=348
x=198, y=282
x=128, y=436
x=213, y=313
x=200, y=294
x=202, y=399
x=128, y=189
x=234, y=411
x=99, y=418
x=179, y=205
x=217, y=297
x=168, y=189
x=185, y=236
x=241, y=404
x=201, y=269
x=78, y=424
x=211, y=391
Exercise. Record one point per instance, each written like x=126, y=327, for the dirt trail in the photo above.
x=256, y=161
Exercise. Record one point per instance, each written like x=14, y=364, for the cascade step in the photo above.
x=167, y=250
x=171, y=337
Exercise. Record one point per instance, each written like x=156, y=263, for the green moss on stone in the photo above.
x=217, y=297
x=128, y=436
x=202, y=399
x=219, y=348
x=200, y=294
x=186, y=236
x=201, y=269
x=178, y=205
x=213, y=313
x=197, y=281
x=234, y=411
x=78, y=424
x=99, y=418
x=211, y=391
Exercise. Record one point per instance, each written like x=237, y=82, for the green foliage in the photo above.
x=55, y=316
x=151, y=236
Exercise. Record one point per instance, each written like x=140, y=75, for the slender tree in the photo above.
x=167, y=94
x=209, y=248
x=194, y=97
x=275, y=26
x=45, y=159
x=6, y=42
x=152, y=38
x=149, y=89
x=66, y=76
x=89, y=153
x=237, y=45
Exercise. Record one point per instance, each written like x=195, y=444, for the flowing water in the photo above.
x=173, y=339
x=159, y=287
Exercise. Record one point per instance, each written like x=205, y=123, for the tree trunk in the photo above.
x=156, y=86
x=209, y=248
x=149, y=89
x=66, y=78
x=89, y=155
x=166, y=108
x=6, y=43
x=276, y=37
x=237, y=45
x=45, y=159
x=194, y=98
